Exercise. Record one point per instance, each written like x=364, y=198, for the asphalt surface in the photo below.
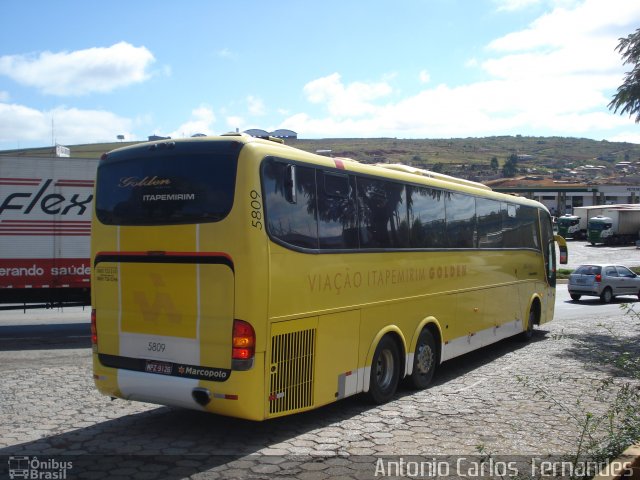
x=581, y=252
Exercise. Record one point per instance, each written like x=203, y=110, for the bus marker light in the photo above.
x=94, y=329
x=225, y=396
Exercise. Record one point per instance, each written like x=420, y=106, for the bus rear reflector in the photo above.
x=244, y=340
x=94, y=330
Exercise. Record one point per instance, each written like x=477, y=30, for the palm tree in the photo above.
x=627, y=98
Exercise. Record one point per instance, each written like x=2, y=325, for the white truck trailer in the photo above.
x=615, y=226
x=45, y=226
x=575, y=225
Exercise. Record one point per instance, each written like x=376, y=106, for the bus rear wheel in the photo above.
x=424, y=361
x=385, y=371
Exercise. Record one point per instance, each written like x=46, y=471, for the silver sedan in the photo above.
x=604, y=281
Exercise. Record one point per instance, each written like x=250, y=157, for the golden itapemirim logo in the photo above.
x=155, y=181
x=344, y=280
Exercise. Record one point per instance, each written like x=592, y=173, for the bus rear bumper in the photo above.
x=238, y=396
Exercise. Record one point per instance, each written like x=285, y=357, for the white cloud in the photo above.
x=80, y=72
x=512, y=5
x=594, y=21
x=345, y=100
x=425, y=77
x=255, y=105
x=19, y=123
x=516, y=5
x=201, y=121
x=626, y=136
x=4, y=96
x=555, y=77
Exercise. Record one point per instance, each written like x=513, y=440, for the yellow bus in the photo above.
x=247, y=278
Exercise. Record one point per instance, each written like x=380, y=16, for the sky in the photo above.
x=75, y=72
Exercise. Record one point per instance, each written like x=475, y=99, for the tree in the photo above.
x=510, y=167
x=627, y=98
x=494, y=163
x=438, y=168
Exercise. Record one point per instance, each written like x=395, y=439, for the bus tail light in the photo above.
x=598, y=278
x=243, y=345
x=94, y=329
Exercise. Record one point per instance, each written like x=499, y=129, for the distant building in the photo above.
x=155, y=138
x=256, y=132
x=281, y=133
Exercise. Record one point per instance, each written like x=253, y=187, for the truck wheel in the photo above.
x=606, y=296
x=424, y=361
x=385, y=371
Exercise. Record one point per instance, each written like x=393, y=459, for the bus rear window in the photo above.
x=166, y=189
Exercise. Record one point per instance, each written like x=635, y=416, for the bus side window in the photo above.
x=427, y=217
x=461, y=220
x=337, y=218
x=290, y=187
x=290, y=214
x=336, y=185
x=489, y=223
x=382, y=214
x=519, y=226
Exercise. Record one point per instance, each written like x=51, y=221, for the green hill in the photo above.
x=454, y=154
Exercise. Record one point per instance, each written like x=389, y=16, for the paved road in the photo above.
x=48, y=407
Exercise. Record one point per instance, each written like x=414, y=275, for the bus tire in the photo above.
x=385, y=371
x=424, y=361
x=527, y=334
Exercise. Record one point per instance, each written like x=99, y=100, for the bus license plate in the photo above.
x=162, y=368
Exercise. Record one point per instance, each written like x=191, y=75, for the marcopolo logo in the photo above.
x=32, y=467
x=205, y=373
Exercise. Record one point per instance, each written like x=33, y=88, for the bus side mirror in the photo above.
x=562, y=245
x=564, y=255
x=290, y=190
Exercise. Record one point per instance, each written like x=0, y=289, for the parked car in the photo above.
x=604, y=281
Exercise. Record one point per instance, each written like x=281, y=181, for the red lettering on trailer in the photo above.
x=44, y=272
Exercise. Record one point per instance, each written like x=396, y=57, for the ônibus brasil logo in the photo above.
x=32, y=467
